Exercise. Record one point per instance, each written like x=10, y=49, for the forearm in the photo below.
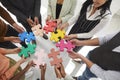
x=20, y=74
x=86, y=61
x=5, y=15
x=92, y=42
x=12, y=70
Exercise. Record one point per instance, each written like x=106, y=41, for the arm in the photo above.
x=49, y=8
x=91, y=42
x=20, y=74
x=16, y=12
x=5, y=15
x=10, y=72
x=37, y=7
x=71, y=13
x=4, y=51
x=75, y=55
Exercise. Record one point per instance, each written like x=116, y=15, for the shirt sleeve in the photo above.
x=104, y=22
x=104, y=74
x=16, y=12
x=71, y=13
x=104, y=39
x=77, y=10
x=49, y=12
x=37, y=7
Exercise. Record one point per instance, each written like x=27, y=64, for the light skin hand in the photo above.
x=63, y=26
x=71, y=36
x=48, y=18
x=73, y=54
x=76, y=42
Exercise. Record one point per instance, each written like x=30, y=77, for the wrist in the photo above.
x=6, y=38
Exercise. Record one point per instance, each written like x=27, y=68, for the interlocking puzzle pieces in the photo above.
x=65, y=44
x=56, y=36
x=40, y=58
x=26, y=36
x=27, y=51
x=37, y=31
x=50, y=26
x=56, y=61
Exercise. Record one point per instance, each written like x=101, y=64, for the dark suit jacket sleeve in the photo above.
x=37, y=8
x=16, y=12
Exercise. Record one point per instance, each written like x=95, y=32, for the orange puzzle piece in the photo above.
x=56, y=61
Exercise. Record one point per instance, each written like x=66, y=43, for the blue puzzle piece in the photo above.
x=23, y=36
x=29, y=37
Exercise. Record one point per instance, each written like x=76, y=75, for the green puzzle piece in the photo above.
x=27, y=51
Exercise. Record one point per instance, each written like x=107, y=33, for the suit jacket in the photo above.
x=67, y=10
x=23, y=9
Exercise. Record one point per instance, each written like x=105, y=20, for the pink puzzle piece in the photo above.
x=37, y=31
x=65, y=44
x=56, y=61
x=50, y=26
x=40, y=58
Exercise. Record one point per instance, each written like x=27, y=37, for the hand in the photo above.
x=62, y=70
x=63, y=26
x=48, y=18
x=58, y=72
x=31, y=63
x=73, y=55
x=36, y=20
x=14, y=39
x=18, y=28
x=71, y=36
x=30, y=22
x=43, y=70
x=76, y=42
x=22, y=60
x=59, y=21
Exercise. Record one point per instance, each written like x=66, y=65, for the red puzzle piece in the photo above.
x=65, y=44
x=50, y=26
x=56, y=61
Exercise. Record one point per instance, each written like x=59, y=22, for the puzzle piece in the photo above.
x=27, y=51
x=65, y=44
x=22, y=36
x=25, y=36
x=56, y=61
x=40, y=58
x=69, y=46
x=56, y=36
x=37, y=31
x=50, y=26
x=48, y=29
